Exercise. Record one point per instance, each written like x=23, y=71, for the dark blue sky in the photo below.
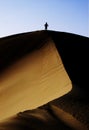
x=17, y=16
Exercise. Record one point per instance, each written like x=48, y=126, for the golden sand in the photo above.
x=33, y=81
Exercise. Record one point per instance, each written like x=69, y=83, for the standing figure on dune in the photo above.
x=46, y=25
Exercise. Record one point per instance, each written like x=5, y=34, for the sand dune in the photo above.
x=42, y=68
x=33, y=81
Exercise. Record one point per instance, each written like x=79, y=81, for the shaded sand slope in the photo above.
x=74, y=51
x=14, y=47
x=75, y=104
x=52, y=118
x=33, y=80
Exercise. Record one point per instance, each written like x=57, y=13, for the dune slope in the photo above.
x=40, y=68
x=33, y=80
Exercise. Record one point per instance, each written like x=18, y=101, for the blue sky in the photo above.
x=17, y=16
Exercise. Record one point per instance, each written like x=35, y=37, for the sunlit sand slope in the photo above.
x=32, y=81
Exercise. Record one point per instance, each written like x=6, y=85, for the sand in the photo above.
x=34, y=80
x=68, y=119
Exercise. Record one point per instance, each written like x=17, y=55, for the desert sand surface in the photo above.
x=34, y=80
x=67, y=118
x=44, y=82
x=52, y=118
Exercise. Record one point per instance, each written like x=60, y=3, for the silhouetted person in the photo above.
x=46, y=26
